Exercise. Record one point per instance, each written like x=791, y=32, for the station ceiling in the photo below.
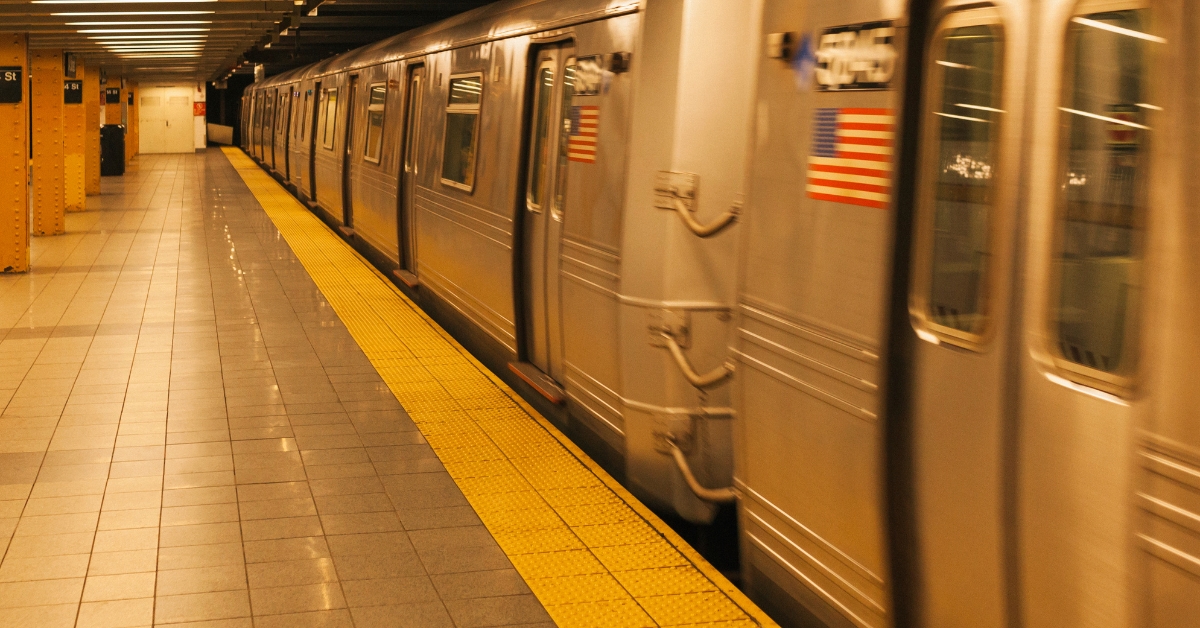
x=209, y=39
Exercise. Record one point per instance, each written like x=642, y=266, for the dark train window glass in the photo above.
x=462, y=123
x=564, y=135
x=375, y=104
x=330, y=123
x=467, y=90
x=959, y=182
x=541, y=134
x=304, y=122
x=1104, y=165
x=268, y=117
x=412, y=127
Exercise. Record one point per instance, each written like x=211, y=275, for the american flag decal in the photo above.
x=851, y=159
x=585, y=128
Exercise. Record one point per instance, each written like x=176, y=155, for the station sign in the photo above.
x=72, y=92
x=112, y=95
x=10, y=83
x=858, y=56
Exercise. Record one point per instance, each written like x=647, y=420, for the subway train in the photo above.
x=913, y=286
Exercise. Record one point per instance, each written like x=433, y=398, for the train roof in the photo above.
x=501, y=20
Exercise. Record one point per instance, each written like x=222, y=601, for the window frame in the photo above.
x=328, y=124
x=1120, y=383
x=382, y=123
x=926, y=212
x=474, y=108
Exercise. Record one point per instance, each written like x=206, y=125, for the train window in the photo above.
x=330, y=122
x=462, y=123
x=1104, y=163
x=959, y=173
x=378, y=97
x=541, y=133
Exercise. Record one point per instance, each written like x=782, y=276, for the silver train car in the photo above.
x=916, y=286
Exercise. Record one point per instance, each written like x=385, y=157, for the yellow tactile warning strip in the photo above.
x=590, y=551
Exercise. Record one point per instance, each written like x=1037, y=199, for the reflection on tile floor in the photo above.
x=190, y=435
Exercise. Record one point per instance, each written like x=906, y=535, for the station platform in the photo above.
x=215, y=413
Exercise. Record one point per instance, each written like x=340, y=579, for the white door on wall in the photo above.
x=165, y=117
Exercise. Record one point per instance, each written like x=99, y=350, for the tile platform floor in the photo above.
x=189, y=436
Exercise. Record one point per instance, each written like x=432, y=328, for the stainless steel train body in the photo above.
x=959, y=301
x=494, y=161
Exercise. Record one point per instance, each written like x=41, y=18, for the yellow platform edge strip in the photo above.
x=582, y=579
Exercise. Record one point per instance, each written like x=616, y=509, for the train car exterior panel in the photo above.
x=374, y=172
x=814, y=273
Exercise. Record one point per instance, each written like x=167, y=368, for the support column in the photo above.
x=46, y=69
x=132, y=125
x=14, y=161
x=74, y=142
x=91, y=147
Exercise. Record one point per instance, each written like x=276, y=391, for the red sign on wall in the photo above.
x=198, y=109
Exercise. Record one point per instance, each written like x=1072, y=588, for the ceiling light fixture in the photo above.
x=141, y=55
x=187, y=36
x=140, y=30
x=122, y=1
x=87, y=13
x=155, y=23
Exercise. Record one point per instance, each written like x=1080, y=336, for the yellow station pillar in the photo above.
x=132, y=124
x=14, y=156
x=47, y=105
x=91, y=122
x=74, y=142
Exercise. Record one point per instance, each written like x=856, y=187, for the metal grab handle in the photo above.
x=715, y=495
x=713, y=228
x=708, y=380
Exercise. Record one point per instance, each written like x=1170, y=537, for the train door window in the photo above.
x=330, y=123
x=1105, y=120
x=375, y=104
x=307, y=114
x=539, y=151
x=959, y=174
x=462, y=124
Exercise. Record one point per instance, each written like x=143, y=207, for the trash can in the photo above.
x=112, y=150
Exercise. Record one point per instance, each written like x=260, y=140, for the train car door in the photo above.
x=348, y=159
x=967, y=170
x=272, y=97
x=545, y=176
x=1098, y=103
x=312, y=143
x=285, y=123
x=408, y=174
x=256, y=126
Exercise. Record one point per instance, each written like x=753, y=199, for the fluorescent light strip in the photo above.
x=154, y=42
x=140, y=30
x=1105, y=26
x=122, y=1
x=189, y=36
x=1146, y=105
x=958, y=117
x=978, y=107
x=151, y=23
x=1097, y=116
x=87, y=13
x=154, y=48
x=157, y=56
x=951, y=64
